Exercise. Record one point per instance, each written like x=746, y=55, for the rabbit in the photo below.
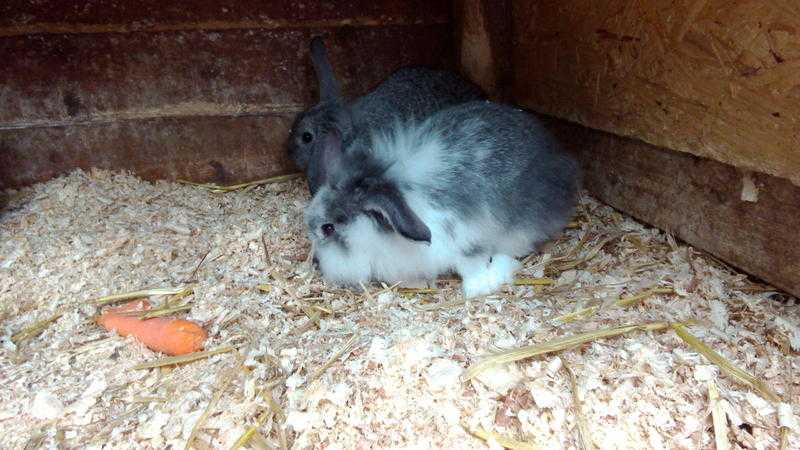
x=407, y=93
x=467, y=190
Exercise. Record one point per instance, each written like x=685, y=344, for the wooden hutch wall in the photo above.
x=699, y=101
x=195, y=90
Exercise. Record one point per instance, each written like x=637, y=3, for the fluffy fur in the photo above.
x=466, y=190
x=407, y=93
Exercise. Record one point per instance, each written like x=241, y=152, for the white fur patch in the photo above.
x=487, y=278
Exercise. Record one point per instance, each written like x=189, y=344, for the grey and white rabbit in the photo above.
x=467, y=190
x=409, y=92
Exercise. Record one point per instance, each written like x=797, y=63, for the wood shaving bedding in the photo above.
x=318, y=366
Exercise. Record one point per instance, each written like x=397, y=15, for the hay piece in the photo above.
x=197, y=267
x=622, y=302
x=500, y=439
x=583, y=425
x=34, y=329
x=114, y=298
x=159, y=312
x=313, y=320
x=588, y=256
x=215, y=188
x=575, y=249
x=416, y=291
x=366, y=292
x=259, y=442
x=324, y=310
x=785, y=431
x=180, y=295
x=273, y=405
x=556, y=345
x=517, y=282
x=140, y=399
x=36, y=440
x=533, y=281
x=318, y=373
x=441, y=305
x=313, y=316
x=726, y=366
x=182, y=359
x=244, y=438
x=225, y=382
x=225, y=379
x=718, y=418
x=459, y=302
x=201, y=444
x=388, y=288
x=163, y=310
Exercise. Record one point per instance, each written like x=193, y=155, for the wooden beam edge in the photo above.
x=215, y=25
x=176, y=111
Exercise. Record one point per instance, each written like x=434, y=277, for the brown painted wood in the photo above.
x=715, y=78
x=24, y=17
x=98, y=76
x=484, y=47
x=208, y=149
x=88, y=90
x=697, y=199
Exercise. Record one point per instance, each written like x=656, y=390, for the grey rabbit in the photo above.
x=466, y=190
x=409, y=92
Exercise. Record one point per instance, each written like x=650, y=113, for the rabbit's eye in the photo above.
x=307, y=137
x=328, y=229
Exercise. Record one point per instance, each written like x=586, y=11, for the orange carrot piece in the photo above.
x=162, y=334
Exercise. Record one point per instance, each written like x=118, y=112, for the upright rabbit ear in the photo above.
x=387, y=201
x=328, y=85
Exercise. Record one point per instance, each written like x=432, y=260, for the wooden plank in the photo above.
x=82, y=100
x=23, y=17
x=61, y=79
x=484, y=44
x=699, y=200
x=213, y=149
x=715, y=78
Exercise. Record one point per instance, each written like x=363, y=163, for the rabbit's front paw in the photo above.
x=487, y=277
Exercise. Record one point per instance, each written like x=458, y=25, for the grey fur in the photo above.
x=408, y=93
x=474, y=250
x=528, y=181
x=500, y=166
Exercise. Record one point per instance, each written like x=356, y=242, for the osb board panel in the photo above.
x=218, y=149
x=61, y=79
x=699, y=200
x=18, y=17
x=716, y=78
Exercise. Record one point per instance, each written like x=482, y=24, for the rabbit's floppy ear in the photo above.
x=331, y=154
x=389, y=202
x=328, y=85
